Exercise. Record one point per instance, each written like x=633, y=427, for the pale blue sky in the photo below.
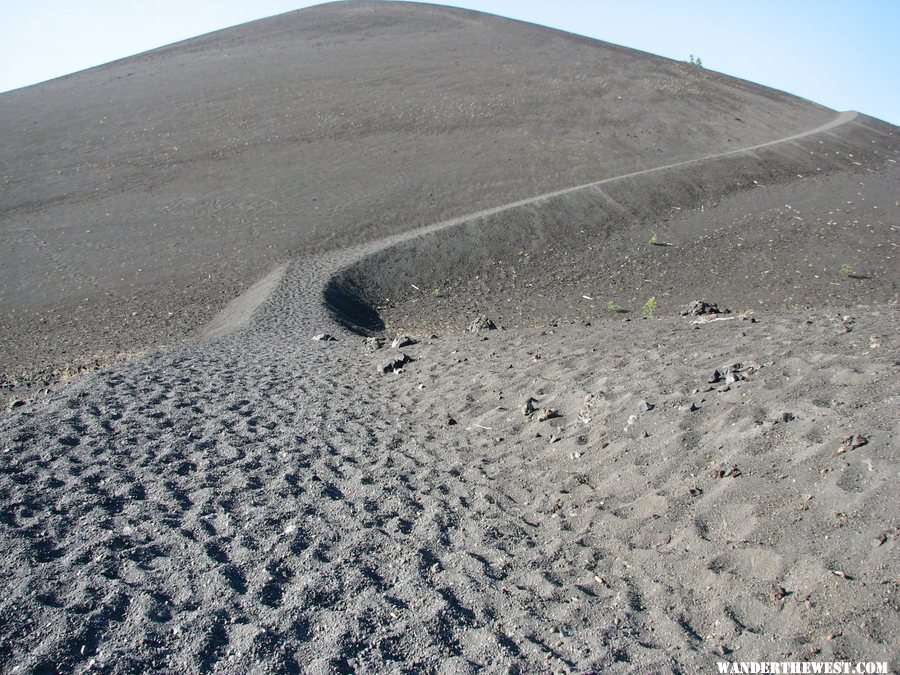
x=842, y=53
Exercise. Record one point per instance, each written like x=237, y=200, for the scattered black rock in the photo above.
x=855, y=441
x=402, y=341
x=733, y=373
x=645, y=406
x=699, y=308
x=480, y=324
x=373, y=344
x=722, y=472
x=788, y=417
x=394, y=364
x=449, y=421
x=715, y=377
x=548, y=414
x=324, y=337
x=689, y=407
x=528, y=409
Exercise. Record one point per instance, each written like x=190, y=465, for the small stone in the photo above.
x=779, y=593
x=644, y=406
x=450, y=421
x=548, y=414
x=715, y=377
x=699, y=308
x=855, y=441
x=394, y=364
x=480, y=324
x=722, y=472
x=402, y=341
x=787, y=417
x=689, y=407
x=373, y=344
x=528, y=409
x=324, y=337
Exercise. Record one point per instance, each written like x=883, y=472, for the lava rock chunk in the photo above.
x=480, y=324
x=394, y=364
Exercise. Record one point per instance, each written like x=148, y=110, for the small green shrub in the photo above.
x=846, y=270
x=435, y=293
x=654, y=241
x=612, y=307
x=649, y=308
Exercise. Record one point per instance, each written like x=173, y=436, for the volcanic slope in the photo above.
x=139, y=196
x=568, y=495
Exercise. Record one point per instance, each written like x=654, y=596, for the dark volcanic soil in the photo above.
x=583, y=491
x=138, y=197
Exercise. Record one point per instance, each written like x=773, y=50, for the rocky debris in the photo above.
x=480, y=324
x=402, y=341
x=788, y=417
x=689, y=407
x=373, y=344
x=715, y=377
x=882, y=537
x=548, y=414
x=394, y=364
x=722, y=472
x=779, y=593
x=324, y=337
x=645, y=406
x=700, y=308
x=528, y=409
x=852, y=442
x=847, y=323
x=590, y=401
x=735, y=372
x=449, y=421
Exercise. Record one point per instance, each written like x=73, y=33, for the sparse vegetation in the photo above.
x=654, y=241
x=649, y=308
x=613, y=308
x=696, y=61
x=435, y=293
x=846, y=271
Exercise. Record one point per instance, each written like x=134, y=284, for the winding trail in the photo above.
x=304, y=279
